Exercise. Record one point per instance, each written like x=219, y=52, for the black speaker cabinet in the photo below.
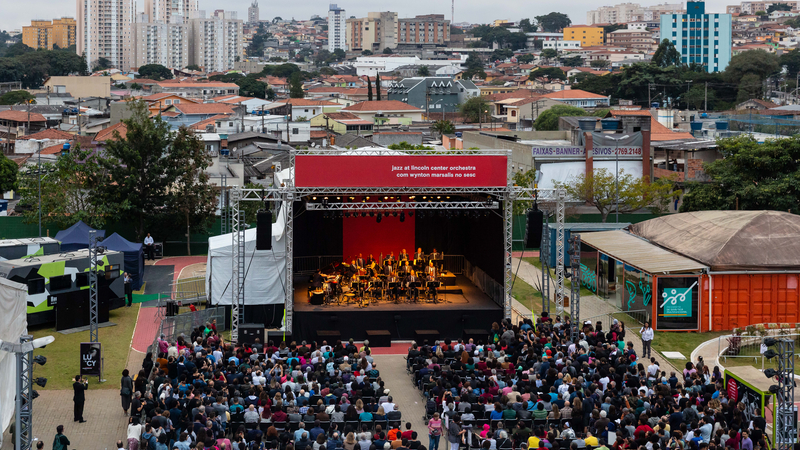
x=249, y=332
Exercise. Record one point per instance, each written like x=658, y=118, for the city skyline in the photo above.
x=17, y=15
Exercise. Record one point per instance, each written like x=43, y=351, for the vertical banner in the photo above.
x=91, y=354
x=678, y=303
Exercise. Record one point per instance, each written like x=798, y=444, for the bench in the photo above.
x=474, y=333
x=379, y=338
x=329, y=334
x=430, y=335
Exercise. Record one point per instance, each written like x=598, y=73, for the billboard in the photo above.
x=91, y=354
x=677, y=303
x=401, y=171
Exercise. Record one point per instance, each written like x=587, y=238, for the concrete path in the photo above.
x=401, y=386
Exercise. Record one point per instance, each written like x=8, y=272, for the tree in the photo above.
x=630, y=194
x=548, y=54
x=696, y=97
x=761, y=13
x=589, y=82
x=16, y=98
x=369, y=89
x=339, y=55
x=551, y=73
x=548, y=119
x=791, y=61
x=613, y=27
x=443, y=127
x=135, y=86
x=756, y=176
x=296, y=86
x=155, y=176
x=69, y=191
x=526, y=26
x=474, y=67
x=755, y=62
x=599, y=63
x=554, y=22
x=102, y=63
x=406, y=146
x=572, y=61
x=387, y=51
x=526, y=58
x=455, y=30
x=666, y=54
x=423, y=71
x=366, y=52
x=378, y=86
x=249, y=86
x=473, y=108
x=778, y=7
x=8, y=174
x=155, y=72
x=501, y=54
x=194, y=67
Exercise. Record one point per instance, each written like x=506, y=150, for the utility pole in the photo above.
x=79, y=116
x=649, y=102
x=28, y=129
x=705, y=106
x=262, y=118
x=244, y=111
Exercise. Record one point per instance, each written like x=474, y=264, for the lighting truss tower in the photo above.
x=223, y=205
x=785, y=411
x=544, y=258
x=93, y=263
x=575, y=291
x=24, y=400
x=237, y=261
x=560, y=198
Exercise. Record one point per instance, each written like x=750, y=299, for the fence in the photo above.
x=306, y=265
x=745, y=348
x=631, y=318
x=485, y=283
x=189, y=290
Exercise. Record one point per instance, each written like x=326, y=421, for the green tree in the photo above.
x=599, y=64
x=378, y=86
x=8, y=174
x=102, y=63
x=455, y=30
x=474, y=108
x=474, y=67
x=554, y=22
x=778, y=7
x=327, y=71
x=527, y=26
x=696, y=98
x=666, y=54
x=750, y=86
x=572, y=61
x=548, y=54
x=753, y=62
x=387, y=51
x=630, y=194
x=155, y=72
x=443, y=127
x=406, y=146
x=249, y=86
x=194, y=67
x=791, y=61
x=369, y=89
x=154, y=175
x=16, y=98
x=135, y=86
x=548, y=119
x=761, y=13
x=501, y=54
x=589, y=82
x=551, y=73
x=525, y=179
x=423, y=71
x=70, y=188
x=526, y=58
x=339, y=55
x=367, y=52
x=759, y=176
x=296, y=86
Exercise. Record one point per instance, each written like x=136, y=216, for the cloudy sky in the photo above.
x=19, y=13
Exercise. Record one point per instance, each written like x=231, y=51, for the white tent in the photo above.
x=265, y=269
x=13, y=324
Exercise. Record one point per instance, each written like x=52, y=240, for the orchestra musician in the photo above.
x=431, y=277
x=405, y=269
x=394, y=290
x=430, y=271
x=413, y=291
x=387, y=270
x=436, y=255
x=371, y=259
x=376, y=291
x=391, y=257
x=317, y=280
x=403, y=256
x=360, y=261
x=419, y=256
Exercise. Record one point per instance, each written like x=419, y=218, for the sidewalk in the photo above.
x=590, y=307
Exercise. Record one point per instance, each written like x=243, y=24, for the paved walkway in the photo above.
x=592, y=307
x=401, y=387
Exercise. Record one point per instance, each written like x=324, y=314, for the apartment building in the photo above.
x=633, y=39
x=375, y=32
x=215, y=42
x=700, y=38
x=753, y=7
x=426, y=29
x=629, y=12
x=337, y=28
x=103, y=30
x=47, y=34
x=253, y=13
x=163, y=11
x=161, y=43
x=589, y=36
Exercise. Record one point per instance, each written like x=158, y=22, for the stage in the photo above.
x=462, y=306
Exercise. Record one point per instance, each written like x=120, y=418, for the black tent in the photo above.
x=134, y=257
x=76, y=237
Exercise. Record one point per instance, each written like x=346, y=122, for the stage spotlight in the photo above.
x=372, y=213
x=421, y=214
x=34, y=395
x=347, y=214
x=363, y=214
x=402, y=217
x=386, y=214
x=774, y=389
x=325, y=202
x=40, y=359
x=394, y=213
x=41, y=381
x=378, y=219
x=411, y=214
x=769, y=373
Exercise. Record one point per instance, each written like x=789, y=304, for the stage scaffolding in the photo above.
x=284, y=192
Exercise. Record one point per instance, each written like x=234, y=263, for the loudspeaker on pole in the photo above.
x=264, y=230
x=533, y=230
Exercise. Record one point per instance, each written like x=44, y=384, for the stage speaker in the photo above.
x=264, y=231
x=533, y=232
x=249, y=332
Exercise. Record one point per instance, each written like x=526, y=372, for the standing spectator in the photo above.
x=126, y=390
x=60, y=442
x=434, y=431
x=647, y=339
x=455, y=433
x=79, y=386
x=134, y=433
x=128, y=288
x=149, y=246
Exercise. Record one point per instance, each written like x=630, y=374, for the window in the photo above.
x=295, y=130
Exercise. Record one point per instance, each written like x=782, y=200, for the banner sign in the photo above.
x=678, y=301
x=559, y=152
x=599, y=152
x=91, y=354
x=401, y=171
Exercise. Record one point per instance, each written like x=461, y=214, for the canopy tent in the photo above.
x=76, y=237
x=13, y=324
x=265, y=269
x=134, y=257
x=729, y=240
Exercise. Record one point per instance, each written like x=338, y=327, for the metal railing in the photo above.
x=746, y=348
x=189, y=290
x=631, y=319
x=173, y=326
x=485, y=283
x=306, y=265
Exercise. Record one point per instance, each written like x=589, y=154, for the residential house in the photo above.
x=580, y=98
x=251, y=104
x=308, y=108
x=433, y=94
x=197, y=89
x=186, y=114
x=386, y=112
x=28, y=145
x=342, y=123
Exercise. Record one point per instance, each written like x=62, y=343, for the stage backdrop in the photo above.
x=364, y=235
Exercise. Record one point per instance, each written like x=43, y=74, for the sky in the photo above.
x=16, y=14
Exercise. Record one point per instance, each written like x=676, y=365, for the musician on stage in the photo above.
x=371, y=259
x=432, y=277
x=413, y=291
x=391, y=257
x=419, y=256
x=436, y=255
x=317, y=280
x=405, y=269
x=403, y=256
x=374, y=289
x=387, y=270
x=430, y=271
x=360, y=261
x=353, y=269
x=395, y=290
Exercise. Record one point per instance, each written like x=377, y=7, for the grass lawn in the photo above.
x=534, y=261
x=63, y=355
x=680, y=341
x=530, y=297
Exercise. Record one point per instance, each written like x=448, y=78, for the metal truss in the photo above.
x=237, y=261
x=24, y=399
x=575, y=291
x=93, y=264
x=288, y=234
x=362, y=191
x=359, y=206
x=223, y=205
x=389, y=152
x=560, y=195
x=786, y=426
x=544, y=258
x=508, y=206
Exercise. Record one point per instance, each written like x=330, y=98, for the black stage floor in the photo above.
x=466, y=307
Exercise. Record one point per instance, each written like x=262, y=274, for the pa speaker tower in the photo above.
x=533, y=232
x=264, y=230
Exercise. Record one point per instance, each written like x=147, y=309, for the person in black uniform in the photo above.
x=394, y=290
x=413, y=291
x=79, y=387
x=360, y=262
x=405, y=269
x=403, y=256
x=317, y=280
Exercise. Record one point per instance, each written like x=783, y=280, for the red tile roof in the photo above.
x=342, y=116
x=316, y=134
x=53, y=149
x=107, y=134
x=383, y=105
x=210, y=121
x=50, y=133
x=198, y=84
x=572, y=94
x=203, y=108
x=21, y=116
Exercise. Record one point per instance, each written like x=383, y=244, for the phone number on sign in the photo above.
x=622, y=151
